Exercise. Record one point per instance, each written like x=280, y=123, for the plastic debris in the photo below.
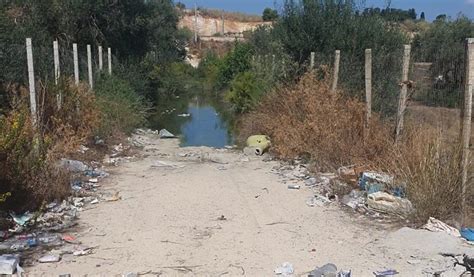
x=82, y=252
x=435, y=225
x=158, y=164
x=386, y=203
x=385, y=273
x=318, y=200
x=468, y=234
x=95, y=201
x=325, y=270
x=260, y=143
x=74, y=166
x=69, y=239
x=184, y=115
x=343, y=273
x=286, y=269
x=49, y=259
x=374, y=182
x=354, y=199
x=93, y=180
x=294, y=187
x=22, y=219
x=9, y=264
x=166, y=134
x=115, y=197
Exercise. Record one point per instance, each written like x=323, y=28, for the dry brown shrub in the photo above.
x=29, y=154
x=71, y=125
x=309, y=119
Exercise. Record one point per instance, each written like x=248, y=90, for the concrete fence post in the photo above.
x=466, y=124
x=311, y=61
x=76, y=63
x=89, y=66
x=368, y=88
x=337, y=60
x=402, y=100
x=31, y=79
x=57, y=71
x=56, y=61
x=109, y=54
x=101, y=61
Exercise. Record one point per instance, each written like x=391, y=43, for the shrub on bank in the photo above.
x=121, y=108
x=308, y=119
x=29, y=152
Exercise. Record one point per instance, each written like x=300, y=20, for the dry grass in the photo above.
x=308, y=119
x=29, y=154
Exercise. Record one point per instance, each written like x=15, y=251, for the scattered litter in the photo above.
x=260, y=143
x=96, y=173
x=385, y=273
x=311, y=182
x=325, y=270
x=318, y=200
x=286, y=269
x=435, y=225
x=166, y=134
x=158, y=164
x=82, y=252
x=294, y=187
x=49, y=259
x=94, y=180
x=222, y=218
x=115, y=197
x=22, y=219
x=95, y=201
x=8, y=264
x=343, y=273
x=73, y=166
x=354, y=199
x=69, y=239
x=184, y=115
x=386, y=203
x=374, y=182
x=468, y=234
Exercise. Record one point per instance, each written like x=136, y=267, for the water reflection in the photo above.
x=198, y=121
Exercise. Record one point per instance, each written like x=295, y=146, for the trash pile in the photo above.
x=40, y=231
x=375, y=193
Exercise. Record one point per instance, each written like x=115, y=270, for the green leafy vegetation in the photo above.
x=269, y=14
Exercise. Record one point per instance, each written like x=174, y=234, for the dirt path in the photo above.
x=169, y=221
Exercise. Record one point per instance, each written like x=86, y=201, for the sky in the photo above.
x=432, y=8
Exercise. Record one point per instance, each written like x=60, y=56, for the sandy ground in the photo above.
x=169, y=222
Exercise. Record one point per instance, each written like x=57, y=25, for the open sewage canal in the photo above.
x=197, y=121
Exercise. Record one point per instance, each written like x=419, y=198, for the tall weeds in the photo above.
x=29, y=152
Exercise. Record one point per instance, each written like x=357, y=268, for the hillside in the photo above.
x=209, y=24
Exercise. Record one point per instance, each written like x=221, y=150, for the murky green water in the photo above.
x=199, y=120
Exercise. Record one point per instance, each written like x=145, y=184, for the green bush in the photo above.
x=245, y=92
x=443, y=44
x=324, y=26
x=122, y=109
x=235, y=62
